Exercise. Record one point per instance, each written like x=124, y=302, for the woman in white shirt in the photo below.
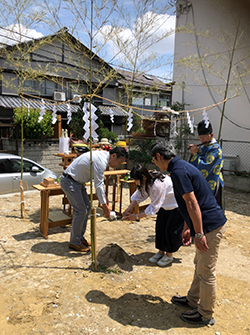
x=169, y=223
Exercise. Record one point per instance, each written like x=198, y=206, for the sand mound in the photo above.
x=114, y=257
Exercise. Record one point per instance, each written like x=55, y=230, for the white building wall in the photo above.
x=216, y=23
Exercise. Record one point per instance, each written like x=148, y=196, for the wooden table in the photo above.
x=45, y=223
x=58, y=218
x=116, y=175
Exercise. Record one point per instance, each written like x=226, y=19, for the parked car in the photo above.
x=10, y=173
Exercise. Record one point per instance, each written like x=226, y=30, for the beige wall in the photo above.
x=216, y=23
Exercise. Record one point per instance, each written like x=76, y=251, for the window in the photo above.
x=164, y=100
x=3, y=166
x=31, y=87
x=44, y=88
x=48, y=87
x=147, y=102
x=137, y=101
x=27, y=166
x=76, y=88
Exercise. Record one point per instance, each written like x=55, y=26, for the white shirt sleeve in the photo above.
x=157, y=195
x=138, y=197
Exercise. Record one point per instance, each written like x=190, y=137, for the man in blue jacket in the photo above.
x=205, y=221
x=208, y=158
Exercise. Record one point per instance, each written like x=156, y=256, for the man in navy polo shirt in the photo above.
x=205, y=221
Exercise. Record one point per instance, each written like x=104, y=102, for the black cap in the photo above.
x=203, y=130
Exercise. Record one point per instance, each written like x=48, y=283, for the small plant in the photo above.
x=109, y=270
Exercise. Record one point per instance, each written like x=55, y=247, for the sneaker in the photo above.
x=154, y=259
x=196, y=318
x=181, y=301
x=165, y=260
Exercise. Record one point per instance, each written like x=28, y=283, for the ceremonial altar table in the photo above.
x=53, y=219
x=116, y=174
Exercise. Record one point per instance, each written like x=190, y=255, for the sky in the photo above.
x=164, y=48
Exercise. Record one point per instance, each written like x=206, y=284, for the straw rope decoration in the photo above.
x=196, y=111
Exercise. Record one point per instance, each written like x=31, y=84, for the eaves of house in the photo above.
x=16, y=102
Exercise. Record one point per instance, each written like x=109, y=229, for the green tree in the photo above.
x=16, y=17
x=32, y=128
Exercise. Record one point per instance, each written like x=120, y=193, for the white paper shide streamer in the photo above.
x=94, y=117
x=54, y=119
x=175, y=128
x=42, y=111
x=190, y=124
x=155, y=128
x=141, y=123
x=86, y=120
x=205, y=118
x=69, y=113
x=130, y=120
x=111, y=113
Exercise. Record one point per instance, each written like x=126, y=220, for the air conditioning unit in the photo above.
x=59, y=96
x=76, y=98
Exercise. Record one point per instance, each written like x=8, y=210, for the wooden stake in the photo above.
x=93, y=240
x=22, y=200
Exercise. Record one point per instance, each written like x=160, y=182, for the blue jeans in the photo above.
x=79, y=200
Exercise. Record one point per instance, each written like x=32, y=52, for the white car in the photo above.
x=10, y=173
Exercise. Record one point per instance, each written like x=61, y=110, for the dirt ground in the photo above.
x=45, y=288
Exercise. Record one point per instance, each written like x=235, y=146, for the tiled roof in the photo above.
x=118, y=111
x=143, y=80
x=15, y=102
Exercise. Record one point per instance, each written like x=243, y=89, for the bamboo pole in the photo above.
x=93, y=239
x=92, y=210
x=22, y=200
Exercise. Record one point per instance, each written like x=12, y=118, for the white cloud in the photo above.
x=15, y=33
x=159, y=27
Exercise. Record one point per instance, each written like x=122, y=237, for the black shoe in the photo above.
x=181, y=301
x=195, y=318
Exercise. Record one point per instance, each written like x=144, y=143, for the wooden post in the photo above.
x=93, y=240
x=59, y=123
x=22, y=200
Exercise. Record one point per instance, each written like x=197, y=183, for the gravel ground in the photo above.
x=45, y=288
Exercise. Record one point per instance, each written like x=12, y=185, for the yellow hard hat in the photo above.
x=121, y=144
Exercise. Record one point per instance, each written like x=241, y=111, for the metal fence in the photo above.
x=236, y=156
x=236, y=153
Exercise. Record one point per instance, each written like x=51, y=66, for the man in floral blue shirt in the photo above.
x=208, y=158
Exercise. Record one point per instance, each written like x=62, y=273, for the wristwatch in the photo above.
x=199, y=235
x=137, y=217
